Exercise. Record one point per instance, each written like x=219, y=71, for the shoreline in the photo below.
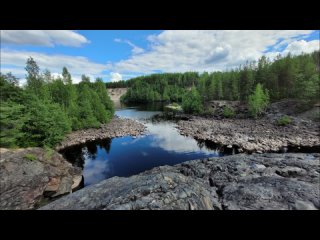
x=117, y=127
x=252, y=135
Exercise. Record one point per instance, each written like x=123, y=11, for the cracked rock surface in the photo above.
x=257, y=181
x=28, y=175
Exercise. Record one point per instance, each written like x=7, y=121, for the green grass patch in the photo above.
x=284, y=120
x=228, y=112
x=48, y=152
x=30, y=157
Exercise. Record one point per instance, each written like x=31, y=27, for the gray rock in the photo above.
x=24, y=182
x=117, y=127
x=233, y=182
x=261, y=135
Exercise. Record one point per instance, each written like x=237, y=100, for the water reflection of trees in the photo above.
x=217, y=147
x=106, y=144
x=77, y=154
x=209, y=145
x=92, y=150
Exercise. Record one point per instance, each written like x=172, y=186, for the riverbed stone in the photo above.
x=117, y=127
x=246, y=182
x=252, y=135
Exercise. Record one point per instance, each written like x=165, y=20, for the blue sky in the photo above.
x=115, y=55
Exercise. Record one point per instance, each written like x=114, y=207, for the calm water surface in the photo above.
x=126, y=156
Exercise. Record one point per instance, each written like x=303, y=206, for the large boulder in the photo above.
x=32, y=176
x=257, y=181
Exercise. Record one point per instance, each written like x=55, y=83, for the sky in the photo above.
x=117, y=55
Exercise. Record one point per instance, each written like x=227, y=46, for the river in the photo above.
x=125, y=156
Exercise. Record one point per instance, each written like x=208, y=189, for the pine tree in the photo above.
x=66, y=76
x=12, y=119
x=258, y=101
x=191, y=102
x=34, y=80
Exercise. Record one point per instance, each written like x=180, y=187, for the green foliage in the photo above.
x=258, y=101
x=30, y=157
x=191, y=102
x=158, y=87
x=48, y=152
x=34, y=80
x=9, y=91
x=12, y=119
x=46, y=124
x=62, y=104
x=47, y=109
x=284, y=120
x=175, y=104
x=208, y=111
x=285, y=77
x=228, y=112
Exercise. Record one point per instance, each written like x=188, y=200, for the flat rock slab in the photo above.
x=233, y=182
x=26, y=175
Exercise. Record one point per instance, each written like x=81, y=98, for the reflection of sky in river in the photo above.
x=166, y=136
x=134, y=114
x=126, y=156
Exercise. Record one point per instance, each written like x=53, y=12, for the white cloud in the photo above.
x=115, y=77
x=47, y=38
x=180, y=51
x=76, y=65
x=297, y=47
x=169, y=51
x=135, y=49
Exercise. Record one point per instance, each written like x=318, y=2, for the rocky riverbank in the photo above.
x=262, y=135
x=257, y=181
x=117, y=127
x=30, y=176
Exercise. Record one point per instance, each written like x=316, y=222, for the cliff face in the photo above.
x=115, y=94
x=30, y=175
x=257, y=181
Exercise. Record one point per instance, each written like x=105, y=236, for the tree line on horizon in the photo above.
x=47, y=108
x=285, y=77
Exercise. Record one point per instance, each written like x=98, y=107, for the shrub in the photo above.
x=228, y=112
x=30, y=157
x=284, y=120
x=258, y=101
x=48, y=152
x=175, y=104
x=191, y=102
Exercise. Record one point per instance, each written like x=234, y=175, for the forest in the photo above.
x=47, y=108
x=285, y=77
x=43, y=111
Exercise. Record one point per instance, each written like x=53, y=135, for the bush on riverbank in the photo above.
x=228, y=112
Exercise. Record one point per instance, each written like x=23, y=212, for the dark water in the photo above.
x=126, y=156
